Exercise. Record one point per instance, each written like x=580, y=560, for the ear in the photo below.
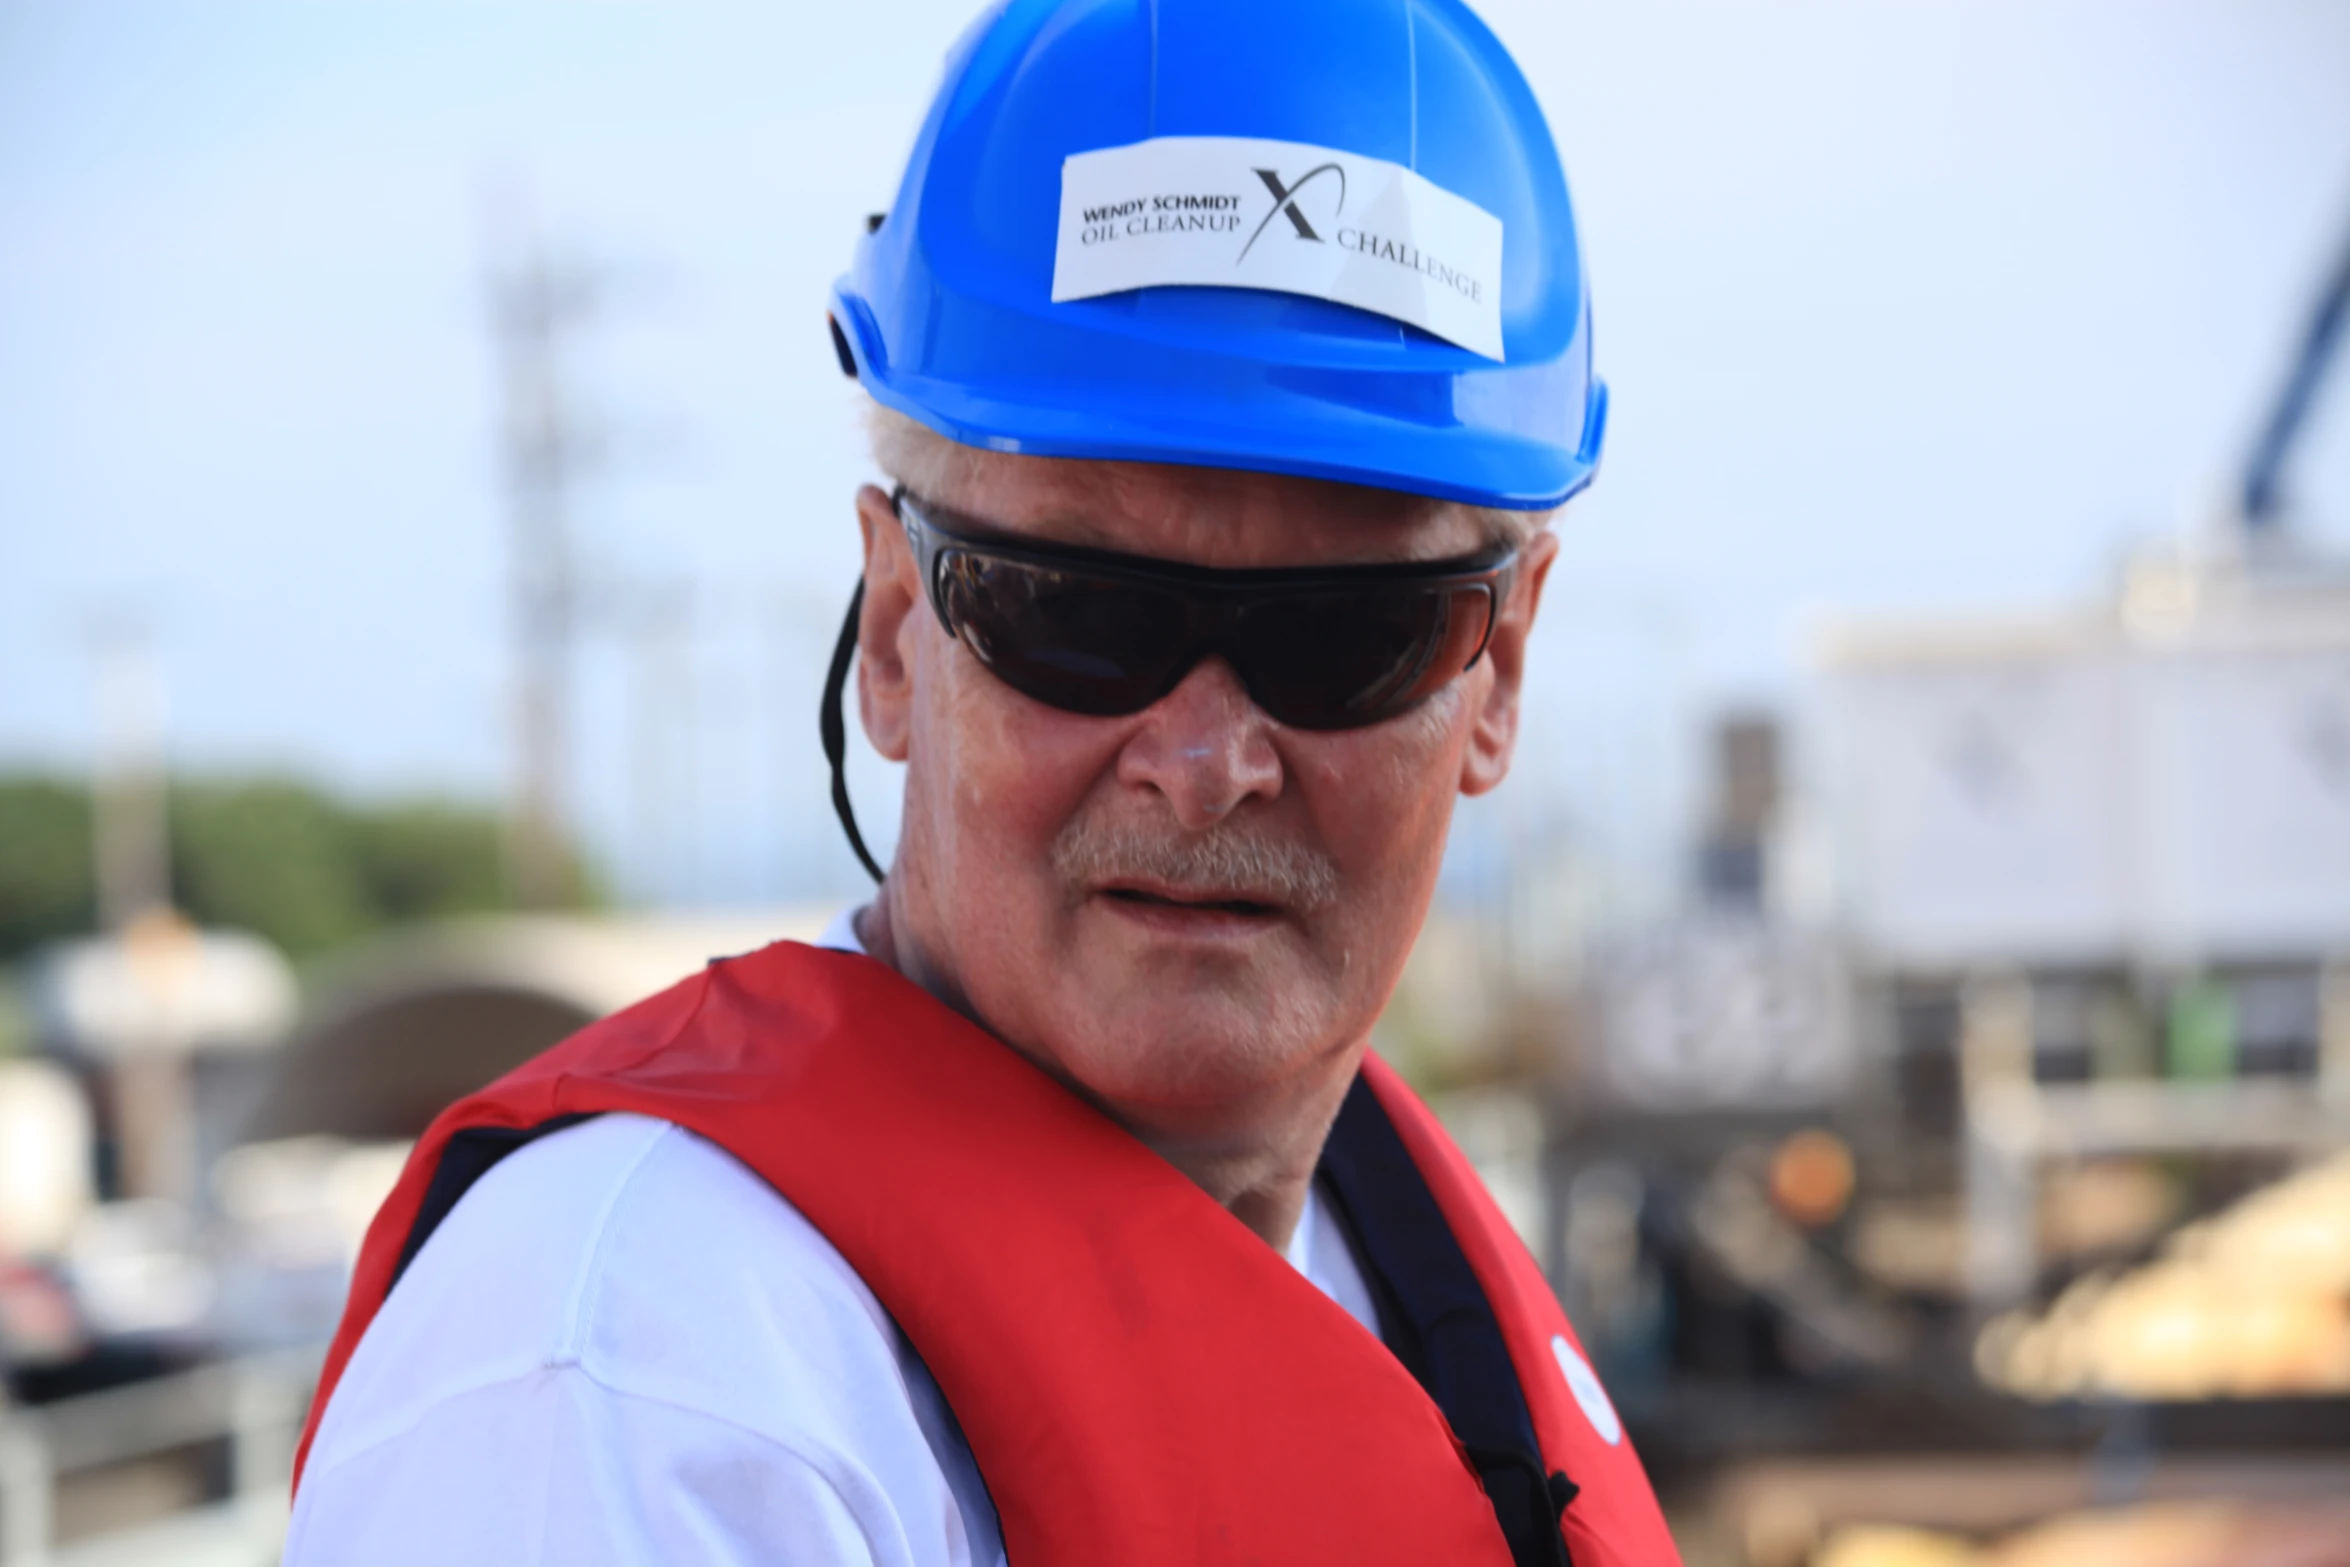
x=885, y=685
x=1493, y=737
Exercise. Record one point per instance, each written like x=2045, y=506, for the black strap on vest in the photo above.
x=1435, y=1317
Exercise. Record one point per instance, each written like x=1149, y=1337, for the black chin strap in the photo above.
x=836, y=732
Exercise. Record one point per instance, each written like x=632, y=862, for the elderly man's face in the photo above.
x=1182, y=910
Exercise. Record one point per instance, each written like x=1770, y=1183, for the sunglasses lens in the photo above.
x=1070, y=639
x=1342, y=660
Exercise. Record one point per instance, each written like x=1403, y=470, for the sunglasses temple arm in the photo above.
x=835, y=732
x=1495, y=597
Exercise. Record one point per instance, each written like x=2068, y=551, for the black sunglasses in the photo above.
x=1092, y=632
x=1089, y=631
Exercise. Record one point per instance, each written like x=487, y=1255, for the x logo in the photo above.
x=1285, y=201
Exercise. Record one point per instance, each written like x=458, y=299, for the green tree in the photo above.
x=425, y=859
x=47, y=886
x=273, y=855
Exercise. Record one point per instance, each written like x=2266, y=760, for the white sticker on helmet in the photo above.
x=1232, y=212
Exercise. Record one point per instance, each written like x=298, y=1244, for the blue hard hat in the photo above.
x=948, y=314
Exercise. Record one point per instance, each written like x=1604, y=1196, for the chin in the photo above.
x=1222, y=1048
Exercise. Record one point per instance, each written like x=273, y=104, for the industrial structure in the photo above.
x=2022, y=1181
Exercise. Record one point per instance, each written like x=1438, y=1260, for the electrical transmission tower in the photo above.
x=536, y=304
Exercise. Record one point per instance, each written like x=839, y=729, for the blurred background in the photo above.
x=1903, y=994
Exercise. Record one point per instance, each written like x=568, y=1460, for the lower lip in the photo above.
x=1188, y=921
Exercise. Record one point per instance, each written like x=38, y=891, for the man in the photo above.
x=1227, y=359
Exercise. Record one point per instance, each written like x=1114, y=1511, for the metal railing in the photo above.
x=255, y=1404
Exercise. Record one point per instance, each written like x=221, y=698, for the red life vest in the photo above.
x=1142, y=1380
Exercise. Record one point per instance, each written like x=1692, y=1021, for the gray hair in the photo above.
x=927, y=463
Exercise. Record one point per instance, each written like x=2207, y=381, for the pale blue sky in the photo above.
x=1928, y=304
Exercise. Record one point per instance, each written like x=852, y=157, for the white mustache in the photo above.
x=1223, y=862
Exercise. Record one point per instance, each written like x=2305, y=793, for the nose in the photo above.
x=1205, y=747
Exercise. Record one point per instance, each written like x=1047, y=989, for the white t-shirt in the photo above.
x=625, y=1347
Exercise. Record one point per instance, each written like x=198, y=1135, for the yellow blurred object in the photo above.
x=2180, y=1534
x=2155, y=1534
x=2180, y=1332
x=1811, y=1177
x=2293, y=1235
x=1887, y=1545
x=2252, y=1303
